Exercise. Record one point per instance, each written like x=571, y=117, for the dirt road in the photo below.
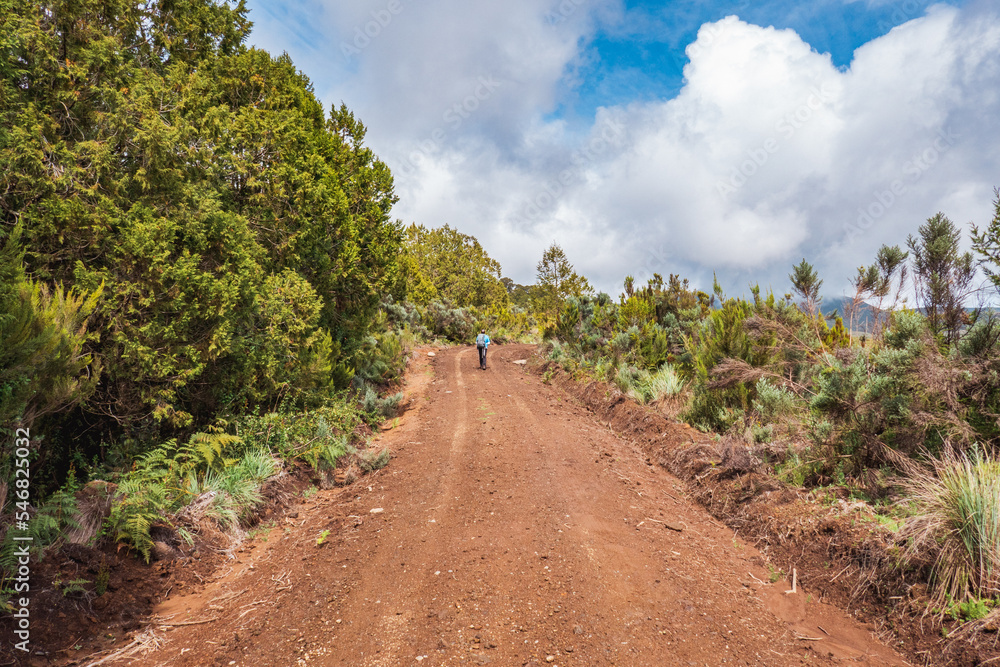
x=511, y=528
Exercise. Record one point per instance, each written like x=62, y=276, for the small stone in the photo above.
x=430, y=354
x=577, y=629
x=549, y=658
x=376, y=510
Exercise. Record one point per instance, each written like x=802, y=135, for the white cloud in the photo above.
x=769, y=153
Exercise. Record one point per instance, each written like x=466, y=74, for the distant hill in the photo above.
x=864, y=318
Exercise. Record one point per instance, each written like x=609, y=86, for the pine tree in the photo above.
x=942, y=276
x=557, y=280
x=986, y=243
x=806, y=283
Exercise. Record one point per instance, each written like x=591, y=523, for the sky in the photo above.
x=727, y=137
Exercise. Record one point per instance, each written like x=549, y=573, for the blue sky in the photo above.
x=732, y=137
x=641, y=55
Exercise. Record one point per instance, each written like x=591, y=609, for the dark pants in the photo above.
x=482, y=356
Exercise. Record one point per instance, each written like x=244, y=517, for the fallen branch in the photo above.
x=841, y=572
x=145, y=642
x=794, y=578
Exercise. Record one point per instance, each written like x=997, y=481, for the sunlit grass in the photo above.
x=957, y=525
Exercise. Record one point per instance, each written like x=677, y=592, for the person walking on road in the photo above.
x=482, y=344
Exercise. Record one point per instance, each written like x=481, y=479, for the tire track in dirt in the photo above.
x=392, y=628
x=514, y=529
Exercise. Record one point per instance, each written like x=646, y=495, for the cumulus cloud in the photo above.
x=769, y=153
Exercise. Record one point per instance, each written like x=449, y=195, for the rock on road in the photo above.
x=512, y=528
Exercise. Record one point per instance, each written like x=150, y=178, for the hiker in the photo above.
x=482, y=344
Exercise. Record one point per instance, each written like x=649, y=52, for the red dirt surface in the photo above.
x=511, y=527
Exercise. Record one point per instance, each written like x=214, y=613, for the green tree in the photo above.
x=242, y=234
x=986, y=243
x=444, y=263
x=519, y=295
x=557, y=280
x=806, y=283
x=884, y=280
x=942, y=276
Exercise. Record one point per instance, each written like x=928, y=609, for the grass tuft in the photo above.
x=957, y=525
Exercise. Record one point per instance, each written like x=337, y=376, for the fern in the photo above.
x=143, y=503
x=205, y=450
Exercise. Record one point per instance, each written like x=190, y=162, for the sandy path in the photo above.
x=514, y=529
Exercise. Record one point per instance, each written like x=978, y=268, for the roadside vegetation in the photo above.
x=901, y=411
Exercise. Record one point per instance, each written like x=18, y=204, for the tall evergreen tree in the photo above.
x=942, y=275
x=243, y=235
x=806, y=283
x=986, y=243
x=556, y=280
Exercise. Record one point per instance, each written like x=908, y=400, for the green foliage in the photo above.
x=986, y=243
x=242, y=235
x=970, y=610
x=377, y=409
x=71, y=587
x=982, y=340
x=46, y=526
x=772, y=402
x=370, y=461
x=883, y=284
x=325, y=451
x=293, y=434
x=165, y=479
x=648, y=386
x=141, y=503
x=380, y=360
x=170, y=477
x=956, y=524
x=556, y=280
x=942, y=276
x=806, y=283
x=444, y=264
x=44, y=367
